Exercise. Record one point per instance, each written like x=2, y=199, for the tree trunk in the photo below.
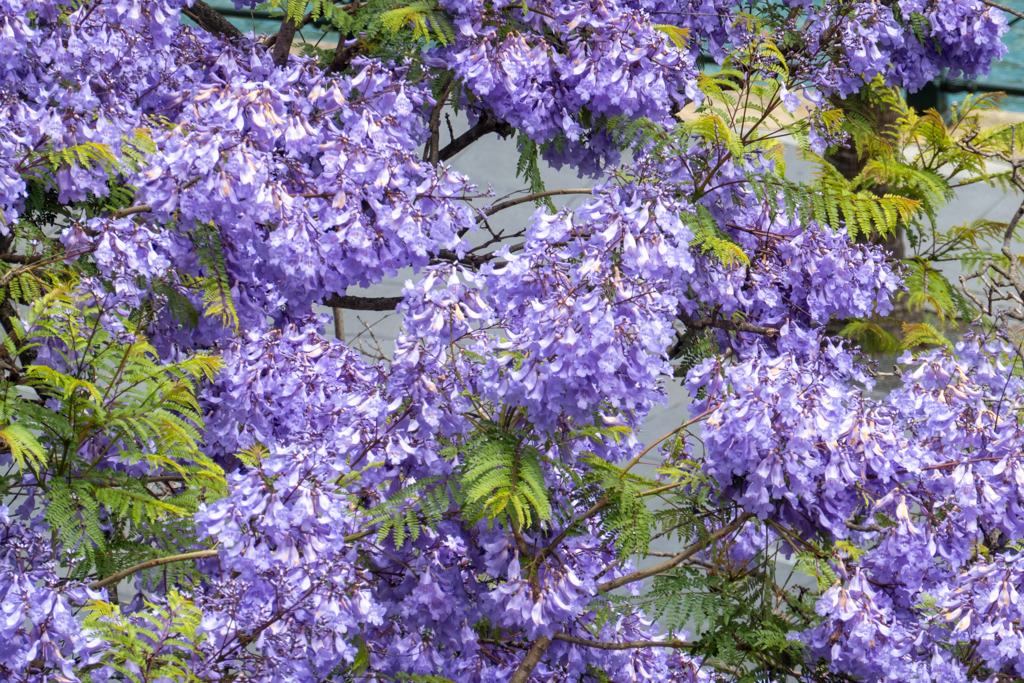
x=849, y=163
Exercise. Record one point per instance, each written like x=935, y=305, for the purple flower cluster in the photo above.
x=38, y=628
x=313, y=182
x=576, y=319
x=939, y=461
x=847, y=44
x=913, y=48
x=585, y=323
x=309, y=413
x=284, y=186
x=570, y=65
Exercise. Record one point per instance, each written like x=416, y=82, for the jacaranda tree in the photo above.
x=200, y=483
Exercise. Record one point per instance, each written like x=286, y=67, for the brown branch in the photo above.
x=358, y=535
x=149, y=564
x=141, y=208
x=16, y=272
x=349, y=7
x=532, y=659
x=285, y=38
x=20, y=258
x=211, y=21
x=594, y=509
x=343, y=56
x=728, y=325
x=269, y=41
x=146, y=481
x=146, y=208
x=1006, y=9
x=471, y=260
x=162, y=478
x=488, y=123
x=431, y=152
x=630, y=645
x=688, y=552
x=363, y=303
x=534, y=197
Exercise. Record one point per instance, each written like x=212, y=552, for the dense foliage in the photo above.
x=200, y=483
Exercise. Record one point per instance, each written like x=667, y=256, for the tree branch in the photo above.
x=283, y=44
x=594, y=509
x=431, y=151
x=532, y=659
x=1006, y=9
x=534, y=197
x=141, y=208
x=149, y=564
x=343, y=56
x=471, y=260
x=680, y=557
x=600, y=645
x=269, y=41
x=729, y=325
x=363, y=303
x=20, y=258
x=488, y=123
x=211, y=21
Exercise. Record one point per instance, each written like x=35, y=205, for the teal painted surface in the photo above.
x=1010, y=71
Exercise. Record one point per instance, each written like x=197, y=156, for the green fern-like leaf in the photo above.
x=405, y=514
x=502, y=478
x=215, y=286
x=872, y=337
x=161, y=643
x=918, y=334
x=628, y=520
x=678, y=35
x=421, y=16
x=528, y=168
x=121, y=394
x=709, y=238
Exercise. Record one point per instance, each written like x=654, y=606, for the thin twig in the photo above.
x=1019, y=15
x=532, y=198
x=680, y=557
x=433, y=148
